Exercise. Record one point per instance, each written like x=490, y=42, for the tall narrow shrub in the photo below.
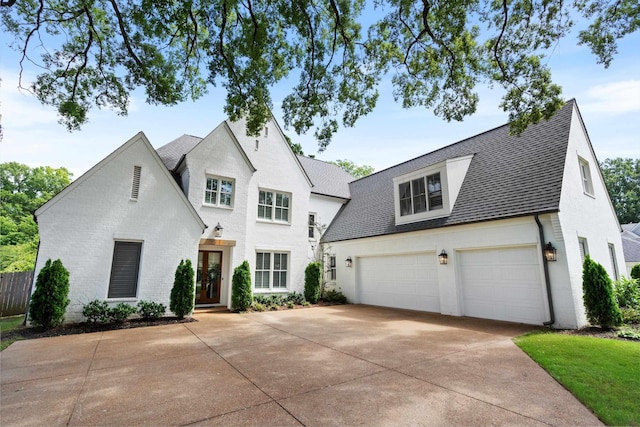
x=50, y=299
x=241, y=296
x=635, y=272
x=312, y=281
x=183, y=293
x=599, y=299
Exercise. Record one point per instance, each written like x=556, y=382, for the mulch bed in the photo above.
x=598, y=332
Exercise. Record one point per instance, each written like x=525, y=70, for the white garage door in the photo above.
x=502, y=284
x=402, y=281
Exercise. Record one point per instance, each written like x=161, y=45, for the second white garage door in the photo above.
x=502, y=284
x=407, y=281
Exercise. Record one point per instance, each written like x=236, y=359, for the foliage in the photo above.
x=290, y=305
x=627, y=293
x=353, y=169
x=150, y=310
x=312, y=281
x=258, y=306
x=241, y=296
x=295, y=297
x=622, y=177
x=333, y=296
x=292, y=298
x=630, y=315
x=98, y=53
x=120, y=312
x=96, y=311
x=22, y=191
x=598, y=296
x=50, y=299
x=635, y=272
x=629, y=333
x=182, y=293
x=602, y=373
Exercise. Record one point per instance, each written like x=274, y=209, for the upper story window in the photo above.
x=312, y=226
x=420, y=195
x=584, y=248
x=331, y=271
x=585, y=174
x=218, y=192
x=614, y=261
x=274, y=206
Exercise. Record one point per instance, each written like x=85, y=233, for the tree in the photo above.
x=96, y=52
x=355, y=170
x=598, y=295
x=50, y=299
x=622, y=177
x=241, y=296
x=183, y=291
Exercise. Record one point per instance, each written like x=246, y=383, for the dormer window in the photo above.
x=420, y=195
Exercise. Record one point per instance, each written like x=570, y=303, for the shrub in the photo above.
x=312, y=281
x=630, y=315
x=150, y=310
x=50, y=299
x=182, y=293
x=258, y=306
x=599, y=301
x=335, y=297
x=627, y=293
x=273, y=307
x=294, y=298
x=261, y=299
x=635, y=272
x=96, y=311
x=290, y=305
x=120, y=312
x=241, y=297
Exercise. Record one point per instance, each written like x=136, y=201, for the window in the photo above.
x=312, y=225
x=614, y=264
x=218, y=192
x=585, y=174
x=124, y=270
x=273, y=206
x=135, y=185
x=584, y=249
x=420, y=195
x=332, y=268
x=271, y=270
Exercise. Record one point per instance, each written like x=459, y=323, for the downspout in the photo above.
x=552, y=320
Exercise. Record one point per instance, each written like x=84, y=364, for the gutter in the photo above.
x=545, y=263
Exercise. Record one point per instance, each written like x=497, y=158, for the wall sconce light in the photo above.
x=443, y=257
x=348, y=262
x=218, y=230
x=550, y=252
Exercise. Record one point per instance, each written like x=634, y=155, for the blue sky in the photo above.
x=609, y=100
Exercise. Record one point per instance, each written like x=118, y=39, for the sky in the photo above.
x=609, y=100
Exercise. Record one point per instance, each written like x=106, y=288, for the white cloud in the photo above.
x=613, y=98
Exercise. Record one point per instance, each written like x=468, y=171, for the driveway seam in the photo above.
x=84, y=380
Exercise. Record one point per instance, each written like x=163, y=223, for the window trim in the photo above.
x=274, y=206
x=114, y=269
x=585, y=177
x=272, y=271
x=219, y=191
x=423, y=173
x=331, y=269
x=614, y=261
x=583, y=247
x=312, y=225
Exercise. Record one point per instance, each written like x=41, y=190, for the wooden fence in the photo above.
x=14, y=292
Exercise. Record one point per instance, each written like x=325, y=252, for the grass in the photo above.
x=7, y=324
x=604, y=374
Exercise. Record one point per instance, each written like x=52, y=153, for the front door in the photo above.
x=208, y=277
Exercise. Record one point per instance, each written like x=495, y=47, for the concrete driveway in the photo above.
x=340, y=365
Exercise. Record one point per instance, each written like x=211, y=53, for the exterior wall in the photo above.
x=588, y=216
x=325, y=209
x=487, y=235
x=81, y=224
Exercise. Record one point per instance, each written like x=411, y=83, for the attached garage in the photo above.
x=502, y=284
x=408, y=281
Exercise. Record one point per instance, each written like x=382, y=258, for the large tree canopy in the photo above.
x=622, y=177
x=96, y=52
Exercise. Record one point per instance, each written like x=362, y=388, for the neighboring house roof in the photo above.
x=631, y=242
x=172, y=152
x=509, y=176
x=328, y=179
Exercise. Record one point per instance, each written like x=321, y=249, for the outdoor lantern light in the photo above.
x=443, y=257
x=218, y=230
x=348, y=262
x=549, y=252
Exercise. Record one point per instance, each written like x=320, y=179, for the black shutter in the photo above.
x=124, y=270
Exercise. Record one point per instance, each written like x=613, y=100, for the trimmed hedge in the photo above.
x=50, y=299
x=241, y=296
x=599, y=300
x=312, y=282
x=183, y=291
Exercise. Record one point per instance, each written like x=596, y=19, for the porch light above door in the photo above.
x=443, y=257
x=550, y=252
x=218, y=231
x=348, y=262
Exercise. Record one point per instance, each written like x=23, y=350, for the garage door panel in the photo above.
x=502, y=284
x=401, y=281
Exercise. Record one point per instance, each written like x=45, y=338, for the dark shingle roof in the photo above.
x=172, y=152
x=631, y=242
x=327, y=178
x=508, y=176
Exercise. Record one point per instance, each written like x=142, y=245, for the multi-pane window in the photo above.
x=332, y=268
x=271, y=270
x=584, y=249
x=218, y=192
x=585, y=174
x=125, y=267
x=312, y=225
x=420, y=195
x=273, y=206
x=614, y=264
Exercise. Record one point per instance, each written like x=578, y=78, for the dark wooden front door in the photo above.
x=208, y=277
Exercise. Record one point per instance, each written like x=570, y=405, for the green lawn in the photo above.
x=7, y=324
x=604, y=374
